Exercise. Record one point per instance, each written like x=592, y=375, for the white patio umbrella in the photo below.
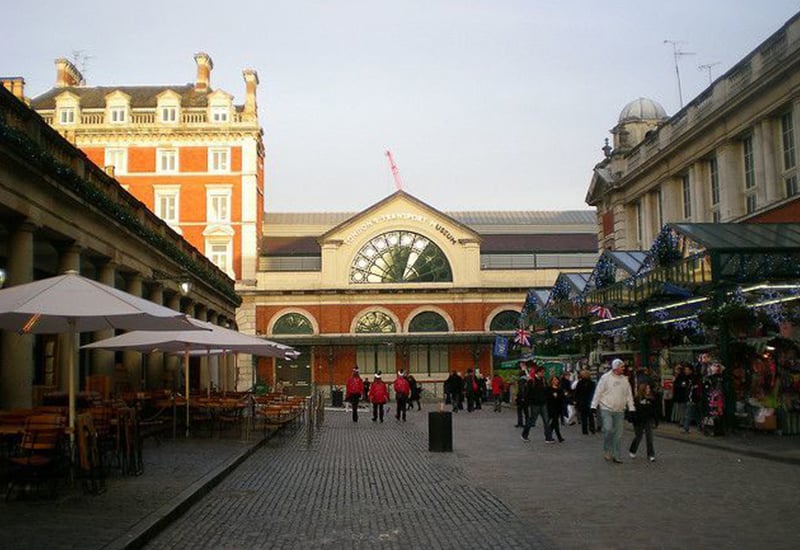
x=71, y=303
x=214, y=339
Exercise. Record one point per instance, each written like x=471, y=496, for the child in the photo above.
x=643, y=420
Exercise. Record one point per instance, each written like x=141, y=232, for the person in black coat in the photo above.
x=643, y=419
x=454, y=386
x=556, y=399
x=584, y=391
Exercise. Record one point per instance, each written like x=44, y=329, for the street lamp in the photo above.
x=183, y=281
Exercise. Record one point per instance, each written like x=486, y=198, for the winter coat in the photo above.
x=584, y=392
x=681, y=387
x=498, y=385
x=401, y=386
x=555, y=398
x=355, y=387
x=535, y=391
x=378, y=392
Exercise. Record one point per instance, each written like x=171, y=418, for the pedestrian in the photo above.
x=498, y=387
x=378, y=396
x=454, y=386
x=536, y=396
x=481, y=379
x=713, y=400
x=521, y=400
x=471, y=391
x=584, y=391
x=555, y=405
x=416, y=391
x=402, y=390
x=643, y=420
x=355, y=388
x=612, y=396
x=681, y=388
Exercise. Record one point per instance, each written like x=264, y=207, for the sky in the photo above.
x=484, y=104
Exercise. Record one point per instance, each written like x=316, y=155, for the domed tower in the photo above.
x=636, y=119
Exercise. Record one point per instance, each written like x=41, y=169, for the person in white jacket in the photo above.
x=612, y=396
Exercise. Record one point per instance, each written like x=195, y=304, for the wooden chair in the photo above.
x=40, y=455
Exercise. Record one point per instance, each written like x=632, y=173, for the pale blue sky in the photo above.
x=485, y=104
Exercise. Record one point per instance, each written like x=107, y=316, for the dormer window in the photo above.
x=168, y=114
x=219, y=114
x=118, y=115
x=66, y=115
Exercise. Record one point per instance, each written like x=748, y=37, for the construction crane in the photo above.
x=398, y=183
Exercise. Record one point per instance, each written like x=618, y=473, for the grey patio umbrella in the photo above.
x=71, y=303
x=214, y=339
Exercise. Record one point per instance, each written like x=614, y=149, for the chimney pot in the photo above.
x=204, y=67
x=67, y=74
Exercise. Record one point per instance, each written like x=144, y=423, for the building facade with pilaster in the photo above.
x=729, y=155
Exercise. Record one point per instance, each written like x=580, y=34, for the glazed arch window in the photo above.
x=292, y=323
x=400, y=257
x=505, y=320
x=428, y=321
x=375, y=322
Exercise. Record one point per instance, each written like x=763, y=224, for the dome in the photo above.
x=642, y=109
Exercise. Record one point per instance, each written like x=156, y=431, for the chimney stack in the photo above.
x=250, y=104
x=204, y=67
x=67, y=74
x=15, y=85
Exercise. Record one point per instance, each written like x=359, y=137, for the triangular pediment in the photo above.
x=400, y=211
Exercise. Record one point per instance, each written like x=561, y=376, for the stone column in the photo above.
x=132, y=360
x=69, y=260
x=155, y=360
x=103, y=360
x=16, y=359
x=731, y=176
x=772, y=156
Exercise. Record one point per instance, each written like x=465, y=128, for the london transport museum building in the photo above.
x=693, y=247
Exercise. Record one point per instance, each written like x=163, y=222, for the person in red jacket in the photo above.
x=355, y=387
x=378, y=396
x=402, y=389
x=498, y=387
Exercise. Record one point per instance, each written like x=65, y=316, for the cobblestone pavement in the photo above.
x=367, y=485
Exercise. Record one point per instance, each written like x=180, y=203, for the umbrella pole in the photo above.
x=186, y=380
x=71, y=382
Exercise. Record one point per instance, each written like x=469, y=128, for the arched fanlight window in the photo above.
x=292, y=323
x=375, y=321
x=428, y=321
x=400, y=257
x=505, y=320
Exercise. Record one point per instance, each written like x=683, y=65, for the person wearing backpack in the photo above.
x=355, y=387
x=378, y=396
x=402, y=389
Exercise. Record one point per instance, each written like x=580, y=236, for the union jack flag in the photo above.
x=600, y=311
x=522, y=337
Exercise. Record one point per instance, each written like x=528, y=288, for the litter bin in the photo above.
x=337, y=398
x=440, y=432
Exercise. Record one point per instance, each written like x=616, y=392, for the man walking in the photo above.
x=401, y=392
x=536, y=396
x=612, y=396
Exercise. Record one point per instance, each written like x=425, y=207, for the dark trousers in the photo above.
x=522, y=413
x=554, y=425
x=354, y=399
x=377, y=410
x=401, y=406
x=587, y=420
x=472, y=402
x=643, y=428
x=535, y=412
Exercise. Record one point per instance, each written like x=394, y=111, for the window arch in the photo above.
x=428, y=321
x=293, y=323
x=375, y=322
x=505, y=320
x=400, y=257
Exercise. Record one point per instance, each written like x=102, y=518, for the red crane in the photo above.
x=398, y=183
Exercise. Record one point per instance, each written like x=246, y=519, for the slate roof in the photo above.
x=94, y=97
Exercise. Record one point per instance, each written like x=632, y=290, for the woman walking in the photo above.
x=555, y=405
x=643, y=418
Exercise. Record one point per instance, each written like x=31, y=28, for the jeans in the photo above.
x=612, y=432
x=587, y=419
x=535, y=411
x=689, y=415
x=377, y=410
